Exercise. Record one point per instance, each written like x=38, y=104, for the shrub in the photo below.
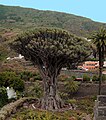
x=2, y=80
x=17, y=83
x=3, y=96
x=93, y=98
x=95, y=78
x=39, y=115
x=103, y=77
x=63, y=95
x=72, y=101
x=37, y=76
x=86, y=104
x=71, y=85
x=86, y=77
x=26, y=75
x=35, y=90
x=73, y=77
x=11, y=79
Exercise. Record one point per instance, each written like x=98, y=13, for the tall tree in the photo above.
x=99, y=39
x=50, y=50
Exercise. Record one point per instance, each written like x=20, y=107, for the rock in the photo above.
x=25, y=105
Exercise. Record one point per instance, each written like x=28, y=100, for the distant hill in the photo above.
x=17, y=18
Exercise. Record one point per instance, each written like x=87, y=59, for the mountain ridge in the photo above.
x=22, y=18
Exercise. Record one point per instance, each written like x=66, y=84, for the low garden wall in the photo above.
x=87, y=89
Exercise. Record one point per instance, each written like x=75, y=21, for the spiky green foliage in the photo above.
x=71, y=85
x=99, y=38
x=51, y=47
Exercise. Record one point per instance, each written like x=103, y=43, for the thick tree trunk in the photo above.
x=51, y=99
x=100, y=79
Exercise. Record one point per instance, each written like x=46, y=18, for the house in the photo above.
x=90, y=65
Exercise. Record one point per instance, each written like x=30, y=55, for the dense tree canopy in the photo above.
x=50, y=50
x=51, y=45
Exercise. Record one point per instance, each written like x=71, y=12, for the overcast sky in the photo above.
x=93, y=9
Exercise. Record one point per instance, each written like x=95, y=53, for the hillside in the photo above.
x=15, y=19
x=19, y=18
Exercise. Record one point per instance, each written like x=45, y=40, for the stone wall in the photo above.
x=87, y=89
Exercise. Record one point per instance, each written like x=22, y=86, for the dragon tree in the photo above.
x=50, y=50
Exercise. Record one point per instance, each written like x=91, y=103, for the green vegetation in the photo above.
x=3, y=52
x=10, y=79
x=3, y=96
x=26, y=75
x=38, y=115
x=86, y=78
x=82, y=106
x=25, y=18
x=29, y=76
x=86, y=104
x=96, y=78
x=34, y=90
x=103, y=78
x=71, y=85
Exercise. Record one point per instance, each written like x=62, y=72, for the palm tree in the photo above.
x=99, y=39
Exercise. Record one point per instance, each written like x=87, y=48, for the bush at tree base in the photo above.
x=34, y=90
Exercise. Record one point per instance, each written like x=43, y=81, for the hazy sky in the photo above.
x=94, y=9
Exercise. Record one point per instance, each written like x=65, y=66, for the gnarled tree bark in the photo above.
x=51, y=99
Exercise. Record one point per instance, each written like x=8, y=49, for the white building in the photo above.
x=16, y=58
